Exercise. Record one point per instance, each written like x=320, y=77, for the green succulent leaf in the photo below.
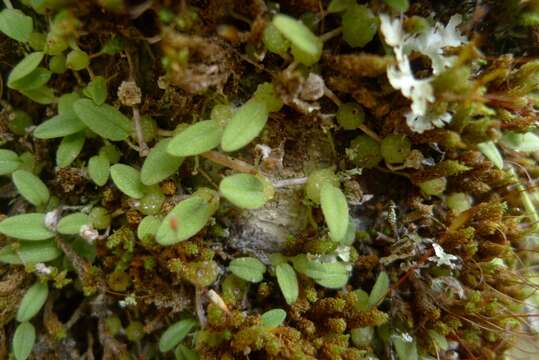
x=59, y=126
x=248, y=268
x=379, y=290
x=9, y=161
x=359, y=25
x=42, y=95
x=159, y=164
x=99, y=169
x=492, y=153
x=196, y=139
x=288, y=282
x=182, y=352
x=25, y=67
x=127, y=179
x=31, y=187
x=148, y=227
x=405, y=348
x=527, y=142
x=16, y=25
x=266, y=93
x=175, y=333
x=34, y=80
x=273, y=318
x=23, y=340
x=29, y=226
x=71, y=224
x=398, y=5
x=301, y=37
x=185, y=220
x=332, y=275
x=69, y=148
x=105, y=120
x=244, y=190
x=246, y=124
x=336, y=6
x=113, y=46
x=32, y=301
x=362, y=300
x=439, y=340
x=30, y=253
x=96, y=90
x=335, y=210
x=66, y=103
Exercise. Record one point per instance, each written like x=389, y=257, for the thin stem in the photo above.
x=143, y=147
x=165, y=133
x=369, y=132
x=331, y=34
x=199, y=308
x=290, y=182
x=229, y=162
x=8, y=4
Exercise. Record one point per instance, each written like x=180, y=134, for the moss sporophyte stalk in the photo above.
x=268, y=179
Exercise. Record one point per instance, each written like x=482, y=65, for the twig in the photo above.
x=331, y=34
x=199, y=308
x=290, y=182
x=229, y=162
x=143, y=147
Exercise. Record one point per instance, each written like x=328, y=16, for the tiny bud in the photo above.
x=52, y=218
x=88, y=233
x=129, y=93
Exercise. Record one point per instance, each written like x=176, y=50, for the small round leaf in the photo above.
x=196, y=139
x=25, y=67
x=59, y=126
x=300, y=36
x=245, y=125
x=16, y=25
x=9, y=161
x=29, y=226
x=379, y=290
x=31, y=187
x=127, y=179
x=335, y=210
x=96, y=90
x=273, y=318
x=159, y=164
x=185, y=220
x=30, y=253
x=23, y=340
x=99, y=169
x=148, y=227
x=288, y=282
x=248, y=268
x=71, y=224
x=244, y=190
x=69, y=148
x=32, y=301
x=105, y=120
x=175, y=333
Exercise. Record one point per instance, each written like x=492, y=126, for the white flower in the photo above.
x=420, y=123
x=442, y=258
x=407, y=337
x=43, y=269
x=431, y=43
x=392, y=30
x=128, y=300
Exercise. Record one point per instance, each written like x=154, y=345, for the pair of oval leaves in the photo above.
x=105, y=120
x=245, y=125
